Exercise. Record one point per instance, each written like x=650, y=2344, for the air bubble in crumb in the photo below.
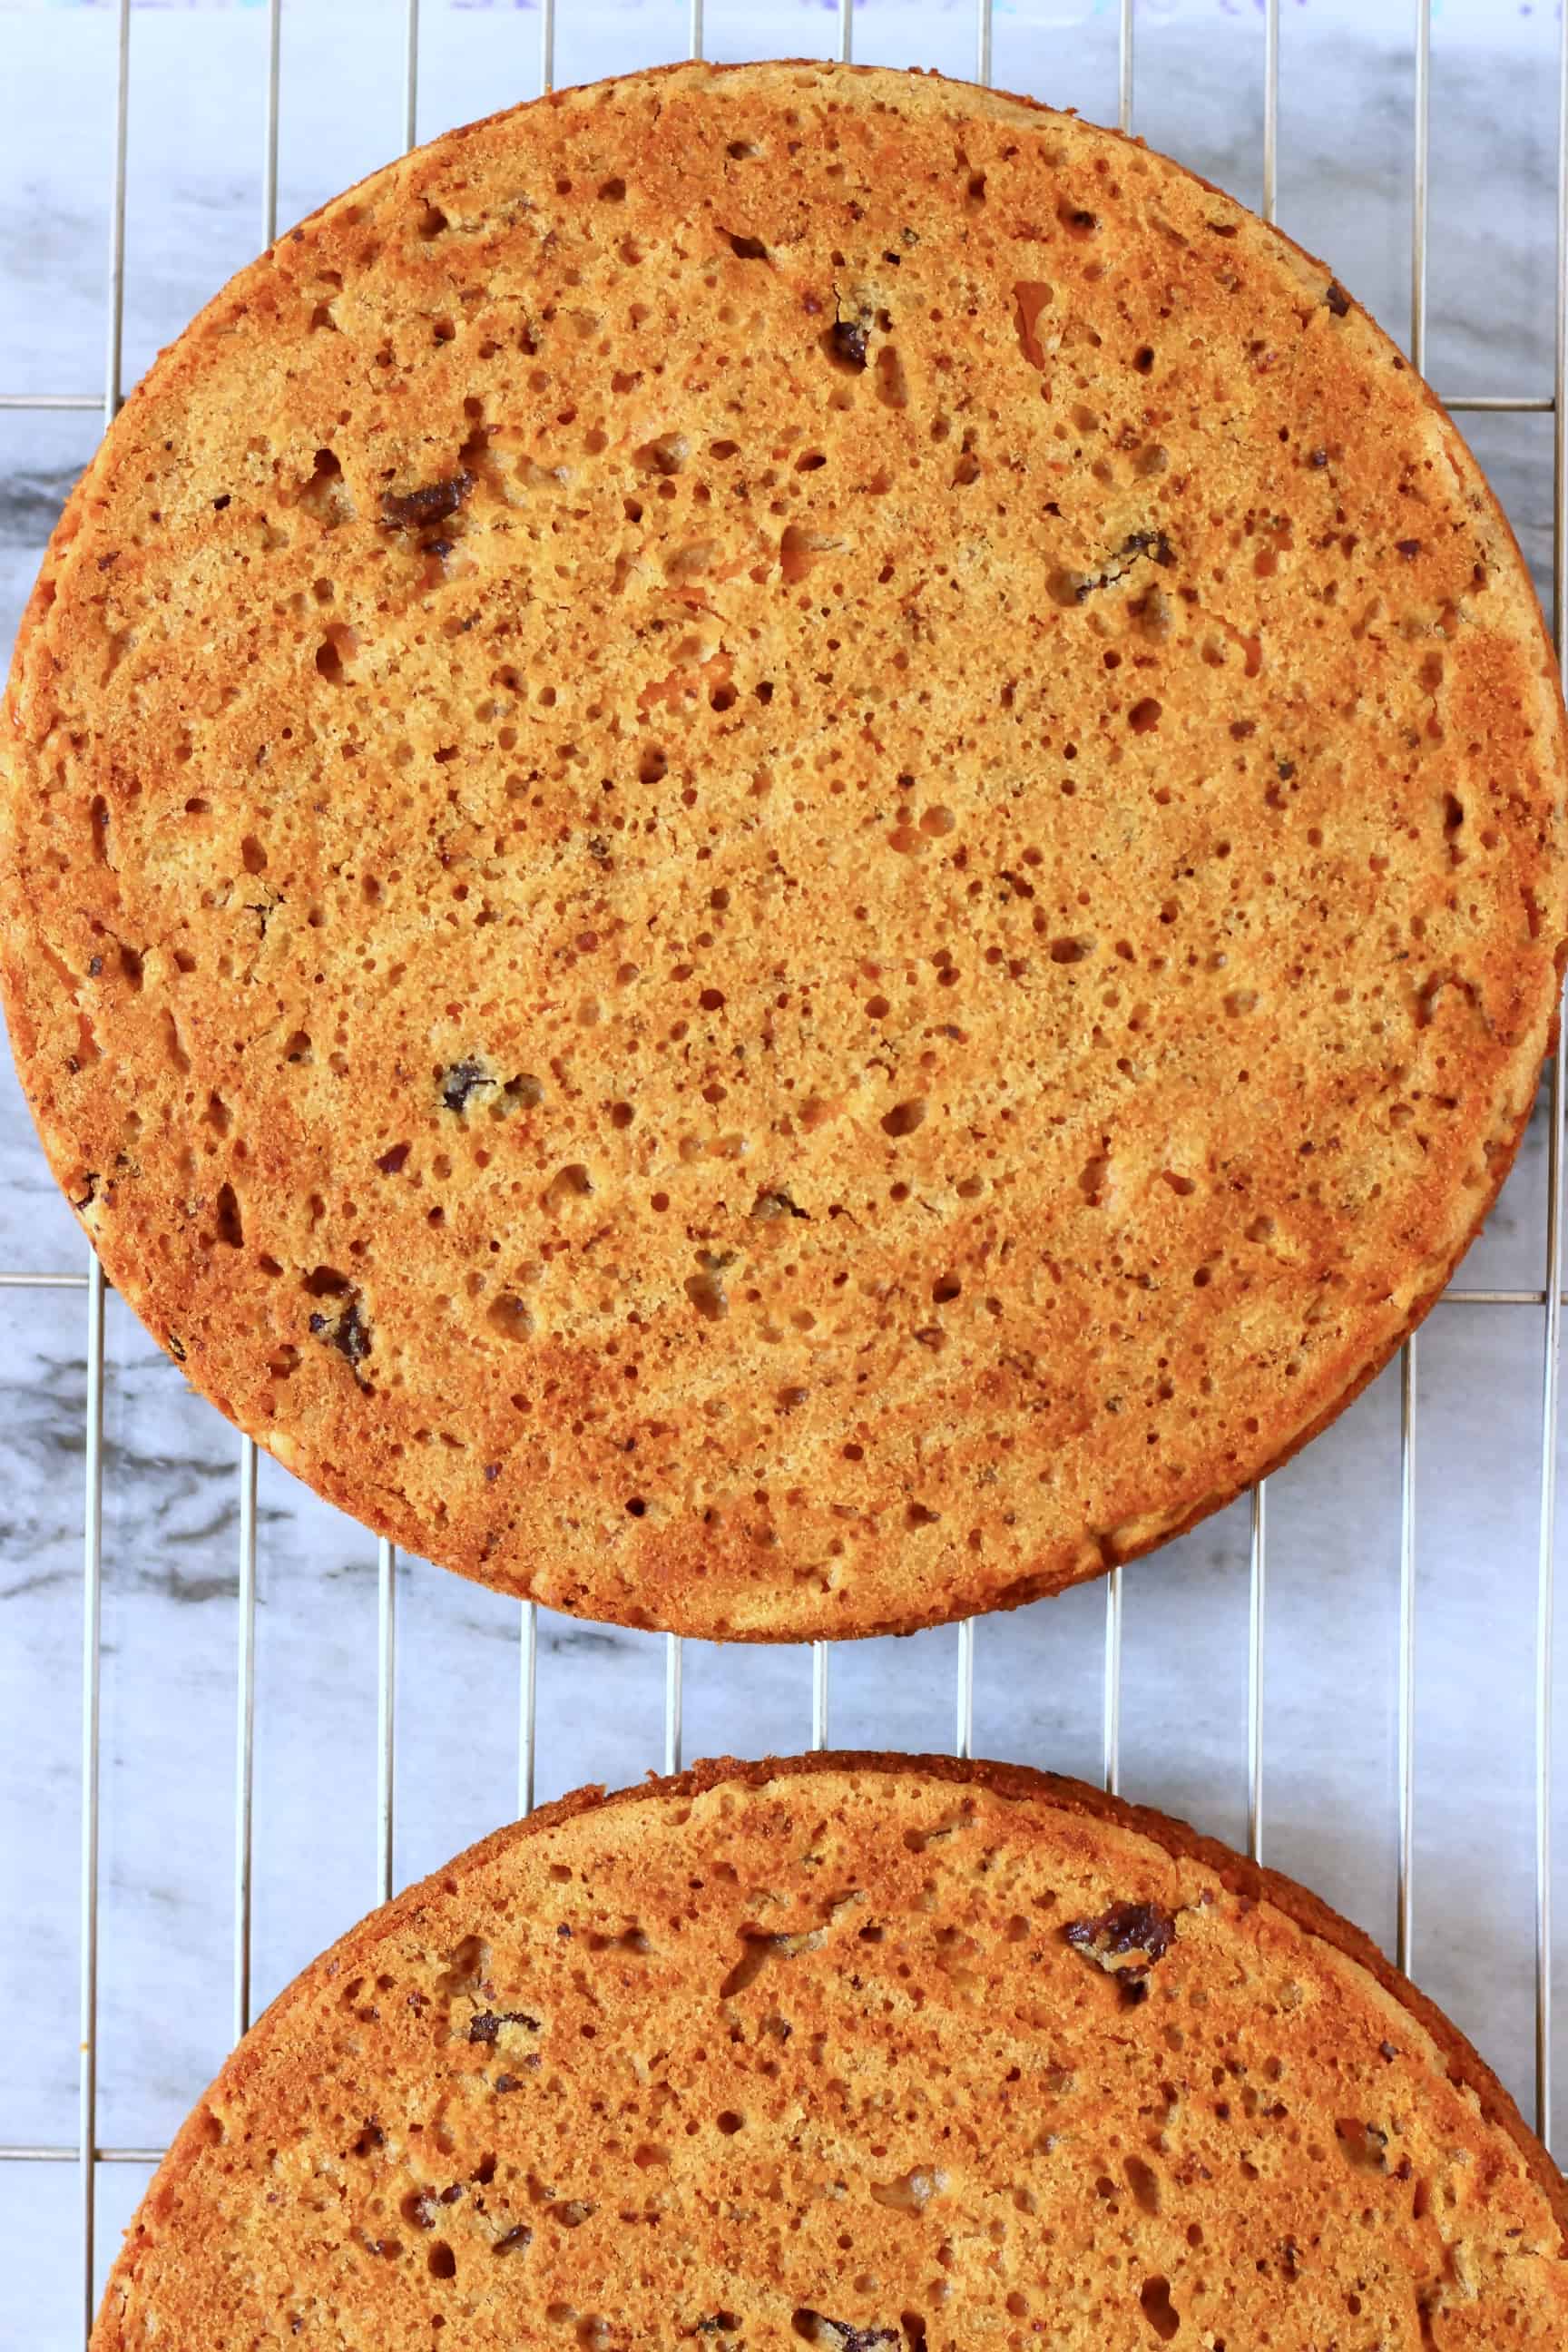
x=509, y=1317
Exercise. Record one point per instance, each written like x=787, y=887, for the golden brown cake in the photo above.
x=862, y=2052
x=783, y=850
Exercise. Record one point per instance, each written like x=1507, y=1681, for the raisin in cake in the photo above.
x=783, y=850
x=860, y=2051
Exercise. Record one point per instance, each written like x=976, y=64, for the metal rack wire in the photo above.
x=86, y=2154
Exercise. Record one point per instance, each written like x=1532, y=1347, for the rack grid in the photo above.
x=87, y=2154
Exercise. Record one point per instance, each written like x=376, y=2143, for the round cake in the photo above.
x=783, y=850
x=860, y=2051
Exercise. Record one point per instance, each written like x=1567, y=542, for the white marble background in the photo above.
x=170, y=1488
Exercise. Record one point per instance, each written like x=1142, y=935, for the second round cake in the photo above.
x=870, y=2053
x=783, y=850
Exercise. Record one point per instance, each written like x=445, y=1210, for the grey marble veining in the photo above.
x=172, y=1494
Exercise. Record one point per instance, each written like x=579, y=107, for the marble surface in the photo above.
x=172, y=1496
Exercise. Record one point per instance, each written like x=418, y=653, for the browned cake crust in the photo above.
x=869, y=2051
x=784, y=850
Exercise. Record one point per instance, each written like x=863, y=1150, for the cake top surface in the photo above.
x=863, y=2051
x=783, y=850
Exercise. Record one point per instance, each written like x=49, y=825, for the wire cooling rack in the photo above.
x=84, y=1289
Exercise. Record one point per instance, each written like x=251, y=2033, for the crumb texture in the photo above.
x=852, y=2053
x=783, y=849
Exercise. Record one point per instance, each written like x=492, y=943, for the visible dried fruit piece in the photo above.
x=1361, y=2143
x=1126, y=1941
x=346, y=1330
x=462, y=1082
x=840, y=2335
x=1152, y=543
x=776, y=1204
x=1338, y=300
x=419, y=510
x=849, y=338
x=1072, y=588
x=487, y=2025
